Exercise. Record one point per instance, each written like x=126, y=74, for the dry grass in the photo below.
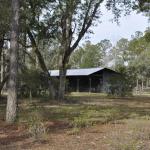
x=133, y=135
x=85, y=121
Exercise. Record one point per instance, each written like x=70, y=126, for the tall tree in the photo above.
x=37, y=30
x=147, y=34
x=75, y=19
x=12, y=85
x=105, y=45
x=143, y=6
x=89, y=55
x=4, y=30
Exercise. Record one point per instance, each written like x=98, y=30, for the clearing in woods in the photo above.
x=83, y=122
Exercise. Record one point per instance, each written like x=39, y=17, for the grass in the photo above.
x=134, y=136
x=95, y=107
x=123, y=122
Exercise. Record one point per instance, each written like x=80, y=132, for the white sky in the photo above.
x=128, y=26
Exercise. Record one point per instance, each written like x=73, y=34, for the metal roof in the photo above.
x=76, y=72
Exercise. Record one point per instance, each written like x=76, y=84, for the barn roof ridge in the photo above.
x=78, y=72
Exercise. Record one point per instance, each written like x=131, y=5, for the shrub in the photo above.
x=85, y=119
x=119, y=86
x=74, y=131
x=36, y=126
x=111, y=115
x=80, y=122
x=32, y=83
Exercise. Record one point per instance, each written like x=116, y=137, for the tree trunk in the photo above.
x=42, y=64
x=62, y=74
x=3, y=83
x=1, y=58
x=1, y=45
x=30, y=95
x=12, y=83
x=62, y=81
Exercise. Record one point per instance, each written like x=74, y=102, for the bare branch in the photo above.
x=24, y=45
x=39, y=55
x=86, y=24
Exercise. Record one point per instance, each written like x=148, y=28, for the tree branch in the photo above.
x=24, y=45
x=39, y=55
x=86, y=24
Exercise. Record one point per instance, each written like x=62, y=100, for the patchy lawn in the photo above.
x=83, y=122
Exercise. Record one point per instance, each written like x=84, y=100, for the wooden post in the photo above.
x=137, y=86
x=147, y=83
x=78, y=85
x=90, y=84
x=99, y=85
x=142, y=84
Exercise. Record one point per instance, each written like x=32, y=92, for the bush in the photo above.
x=32, y=83
x=119, y=86
x=36, y=126
x=80, y=122
x=85, y=119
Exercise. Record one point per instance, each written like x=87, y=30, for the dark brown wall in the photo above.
x=99, y=81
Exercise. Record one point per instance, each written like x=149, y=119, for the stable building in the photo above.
x=87, y=80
